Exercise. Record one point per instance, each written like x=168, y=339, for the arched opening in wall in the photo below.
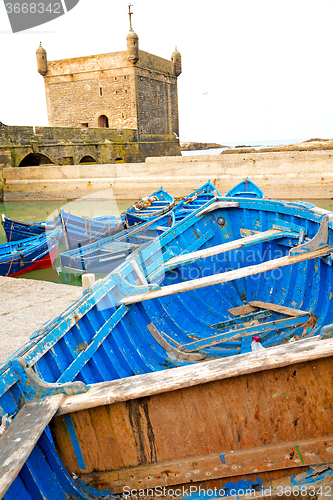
x=35, y=159
x=87, y=159
x=119, y=160
x=103, y=121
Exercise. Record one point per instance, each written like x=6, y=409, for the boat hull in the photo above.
x=43, y=263
x=18, y=230
x=243, y=283
x=217, y=425
x=38, y=252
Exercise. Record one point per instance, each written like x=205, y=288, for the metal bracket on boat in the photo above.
x=35, y=387
x=319, y=240
x=215, y=205
x=181, y=355
x=126, y=289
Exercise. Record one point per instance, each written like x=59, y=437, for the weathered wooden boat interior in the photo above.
x=236, y=268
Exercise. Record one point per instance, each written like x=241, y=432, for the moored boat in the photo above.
x=158, y=203
x=234, y=269
x=16, y=230
x=101, y=257
x=81, y=230
x=27, y=255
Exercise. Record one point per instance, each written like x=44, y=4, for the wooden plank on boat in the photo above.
x=199, y=373
x=20, y=438
x=141, y=277
x=241, y=310
x=258, y=422
x=231, y=335
x=289, y=311
x=218, y=204
x=235, y=274
x=227, y=247
x=145, y=237
x=217, y=465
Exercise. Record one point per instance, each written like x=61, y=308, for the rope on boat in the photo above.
x=11, y=262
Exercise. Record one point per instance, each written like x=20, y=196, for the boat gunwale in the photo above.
x=172, y=379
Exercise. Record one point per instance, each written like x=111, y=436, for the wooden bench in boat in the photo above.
x=231, y=335
x=254, y=305
x=178, y=378
x=296, y=318
x=253, y=239
x=227, y=276
x=118, y=246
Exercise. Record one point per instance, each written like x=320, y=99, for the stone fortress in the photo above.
x=118, y=107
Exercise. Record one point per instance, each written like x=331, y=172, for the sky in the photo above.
x=258, y=70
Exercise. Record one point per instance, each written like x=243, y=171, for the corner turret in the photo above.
x=133, y=47
x=176, y=60
x=41, y=57
x=132, y=41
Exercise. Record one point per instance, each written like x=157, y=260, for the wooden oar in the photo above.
x=20, y=438
x=235, y=274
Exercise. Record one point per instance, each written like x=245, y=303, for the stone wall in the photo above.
x=285, y=175
x=141, y=96
x=79, y=90
x=22, y=146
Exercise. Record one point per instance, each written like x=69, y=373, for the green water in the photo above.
x=47, y=210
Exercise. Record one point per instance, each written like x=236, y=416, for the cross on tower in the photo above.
x=130, y=15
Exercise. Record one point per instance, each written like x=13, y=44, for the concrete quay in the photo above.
x=26, y=305
x=294, y=174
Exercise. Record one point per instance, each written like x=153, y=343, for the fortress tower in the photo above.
x=131, y=89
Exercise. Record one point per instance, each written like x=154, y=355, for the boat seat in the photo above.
x=288, y=311
x=194, y=256
x=225, y=277
x=232, y=335
x=254, y=305
x=144, y=237
x=117, y=246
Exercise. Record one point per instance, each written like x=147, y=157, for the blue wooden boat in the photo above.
x=16, y=230
x=37, y=252
x=158, y=203
x=78, y=229
x=106, y=254
x=81, y=230
x=149, y=379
